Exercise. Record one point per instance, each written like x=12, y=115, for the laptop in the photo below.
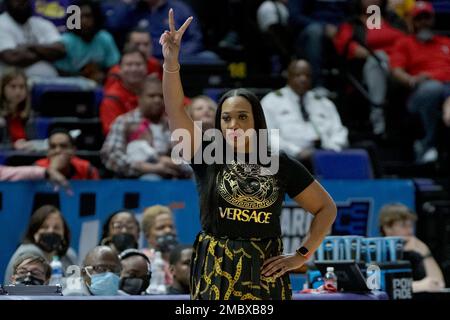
x=350, y=277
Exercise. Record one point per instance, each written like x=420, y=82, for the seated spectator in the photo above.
x=31, y=269
x=315, y=24
x=61, y=156
x=152, y=15
x=370, y=47
x=101, y=273
x=122, y=96
x=141, y=39
x=159, y=230
x=47, y=235
x=121, y=231
x=15, y=108
x=296, y=108
x=273, y=18
x=91, y=51
x=422, y=63
x=151, y=111
x=136, y=272
x=27, y=41
x=180, y=267
x=54, y=11
x=203, y=108
x=396, y=220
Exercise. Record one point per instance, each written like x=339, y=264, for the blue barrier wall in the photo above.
x=358, y=203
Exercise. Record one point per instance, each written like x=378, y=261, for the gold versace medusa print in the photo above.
x=248, y=186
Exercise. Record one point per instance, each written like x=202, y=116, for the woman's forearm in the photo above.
x=320, y=227
x=432, y=269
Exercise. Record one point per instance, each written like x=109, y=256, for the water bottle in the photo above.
x=330, y=280
x=157, y=283
x=57, y=272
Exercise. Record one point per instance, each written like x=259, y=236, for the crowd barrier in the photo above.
x=92, y=201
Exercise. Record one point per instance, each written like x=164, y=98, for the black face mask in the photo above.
x=134, y=286
x=50, y=242
x=166, y=242
x=29, y=280
x=124, y=241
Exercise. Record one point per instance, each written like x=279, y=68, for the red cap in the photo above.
x=422, y=7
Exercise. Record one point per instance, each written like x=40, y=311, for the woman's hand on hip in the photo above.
x=279, y=265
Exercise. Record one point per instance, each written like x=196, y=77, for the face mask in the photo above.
x=134, y=286
x=29, y=280
x=124, y=241
x=104, y=284
x=50, y=242
x=425, y=35
x=166, y=242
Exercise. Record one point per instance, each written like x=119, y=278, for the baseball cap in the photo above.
x=422, y=7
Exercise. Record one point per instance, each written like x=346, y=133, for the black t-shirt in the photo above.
x=417, y=264
x=249, y=203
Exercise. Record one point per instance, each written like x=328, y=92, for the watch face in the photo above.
x=303, y=251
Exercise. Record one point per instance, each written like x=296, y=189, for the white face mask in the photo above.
x=104, y=284
x=425, y=35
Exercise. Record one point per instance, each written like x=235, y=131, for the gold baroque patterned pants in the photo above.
x=229, y=269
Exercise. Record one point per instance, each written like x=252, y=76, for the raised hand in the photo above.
x=171, y=40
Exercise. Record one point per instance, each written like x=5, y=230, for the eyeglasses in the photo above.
x=101, y=268
x=128, y=227
x=35, y=273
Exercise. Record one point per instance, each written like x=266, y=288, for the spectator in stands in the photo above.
x=31, y=269
x=61, y=156
x=180, y=267
x=203, y=108
x=47, y=235
x=15, y=108
x=315, y=23
x=159, y=230
x=396, y=220
x=121, y=231
x=152, y=15
x=151, y=108
x=141, y=39
x=296, y=108
x=273, y=19
x=91, y=51
x=422, y=63
x=29, y=42
x=101, y=272
x=122, y=96
x=54, y=11
x=370, y=48
x=136, y=272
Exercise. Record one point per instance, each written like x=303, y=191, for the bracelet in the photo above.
x=169, y=71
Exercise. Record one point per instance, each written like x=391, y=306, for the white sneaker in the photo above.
x=377, y=120
x=431, y=155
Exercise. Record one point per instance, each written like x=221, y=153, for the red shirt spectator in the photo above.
x=415, y=57
x=117, y=100
x=376, y=39
x=121, y=96
x=16, y=128
x=81, y=169
x=153, y=66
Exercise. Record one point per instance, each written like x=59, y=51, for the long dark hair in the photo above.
x=208, y=195
x=36, y=221
x=105, y=231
